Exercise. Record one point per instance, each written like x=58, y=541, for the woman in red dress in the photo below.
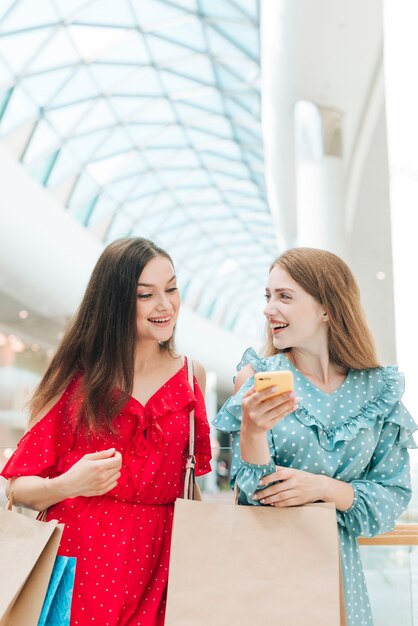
x=108, y=440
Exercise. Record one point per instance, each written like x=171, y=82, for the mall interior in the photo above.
x=225, y=131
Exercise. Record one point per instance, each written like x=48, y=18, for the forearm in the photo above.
x=38, y=493
x=338, y=492
x=254, y=445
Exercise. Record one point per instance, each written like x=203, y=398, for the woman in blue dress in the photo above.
x=343, y=436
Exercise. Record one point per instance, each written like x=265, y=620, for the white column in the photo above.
x=278, y=25
x=400, y=55
x=319, y=178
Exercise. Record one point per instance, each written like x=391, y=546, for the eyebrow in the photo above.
x=149, y=285
x=280, y=289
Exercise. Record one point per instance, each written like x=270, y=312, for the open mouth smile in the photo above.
x=277, y=327
x=160, y=321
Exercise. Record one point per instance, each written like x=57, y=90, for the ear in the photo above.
x=325, y=316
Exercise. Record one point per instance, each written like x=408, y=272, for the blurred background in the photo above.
x=226, y=131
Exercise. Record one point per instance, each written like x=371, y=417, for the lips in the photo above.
x=277, y=326
x=160, y=321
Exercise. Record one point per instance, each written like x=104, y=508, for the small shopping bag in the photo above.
x=251, y=565
x=28, y=548
x=56, y=609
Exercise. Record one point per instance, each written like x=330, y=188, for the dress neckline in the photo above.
x=326, y=394
x=143, y=406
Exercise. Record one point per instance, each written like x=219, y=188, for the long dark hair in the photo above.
x=100, y=342
x=329, y=280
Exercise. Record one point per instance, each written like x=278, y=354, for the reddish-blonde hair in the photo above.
x=329, y=280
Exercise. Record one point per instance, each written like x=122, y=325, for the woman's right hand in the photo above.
x=93, y=475
x=260, y=413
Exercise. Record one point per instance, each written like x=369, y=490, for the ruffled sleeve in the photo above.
x=383, y=493
x=228, y=420
x=385, y=406
x=41, y=449
x=250, y=357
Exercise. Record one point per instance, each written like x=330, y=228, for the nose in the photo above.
x=270, y=309
x=163, y=303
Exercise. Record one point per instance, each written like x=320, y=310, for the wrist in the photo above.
x=250, y=429
x=326, y=494
x=61, y=487
x=338, y=492
x=254, y=446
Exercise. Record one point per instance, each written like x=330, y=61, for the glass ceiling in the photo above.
x=142, y=117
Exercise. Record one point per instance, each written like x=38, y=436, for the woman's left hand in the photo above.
x=295, y=488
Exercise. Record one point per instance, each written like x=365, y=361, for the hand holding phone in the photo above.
x=282, y=379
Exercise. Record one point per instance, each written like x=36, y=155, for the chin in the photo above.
x=166, y=336
x=280, y=345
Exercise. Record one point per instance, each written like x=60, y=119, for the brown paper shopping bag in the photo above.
x=28, y=548
x=251, y=565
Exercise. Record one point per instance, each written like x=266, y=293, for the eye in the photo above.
x=267, y=297
x=144, y=296
x=171, y=290
x=285, y=296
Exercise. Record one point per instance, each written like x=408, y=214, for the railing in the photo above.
x=402, y=535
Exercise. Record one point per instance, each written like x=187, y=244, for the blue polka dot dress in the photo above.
x=359, y=434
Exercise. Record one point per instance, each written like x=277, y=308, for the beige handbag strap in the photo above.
x=189, y=480
x=190, y=376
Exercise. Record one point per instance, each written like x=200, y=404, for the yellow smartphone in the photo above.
x=282, y=379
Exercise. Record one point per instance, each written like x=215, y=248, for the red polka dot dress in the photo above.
x=122, y=539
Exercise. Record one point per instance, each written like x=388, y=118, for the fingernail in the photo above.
x=262, y=501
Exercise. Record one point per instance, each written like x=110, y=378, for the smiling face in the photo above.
x=158, y=301
x=295, y=318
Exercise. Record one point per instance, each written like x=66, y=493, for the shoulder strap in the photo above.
x=191, y=460
x=190, y=376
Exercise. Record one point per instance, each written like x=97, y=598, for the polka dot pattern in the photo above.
x=359, y=434
x=121, y=540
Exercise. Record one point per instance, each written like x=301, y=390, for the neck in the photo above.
x=314, y=364
x=147, y=356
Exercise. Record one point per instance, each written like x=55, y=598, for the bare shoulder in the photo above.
x=36, y=417
x=243, y=375
x=200, y=373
